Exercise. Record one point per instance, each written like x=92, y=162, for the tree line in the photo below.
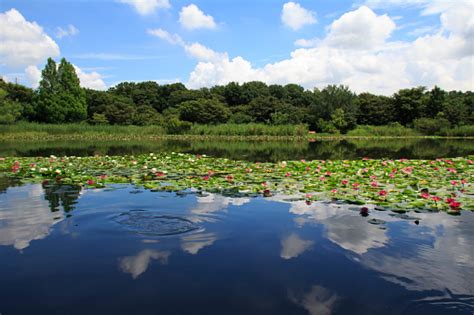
x=60, y=99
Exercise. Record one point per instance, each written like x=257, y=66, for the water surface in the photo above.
x=123, y=250
x=253, y=150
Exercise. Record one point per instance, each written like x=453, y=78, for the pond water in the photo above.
x=253, y=150
x=124, y=250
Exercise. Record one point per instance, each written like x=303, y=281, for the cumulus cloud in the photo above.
x=33, y=76
x=357, y=52
x=192, y=18
x=295, y=16
x=360, y=29
x=70, y=30
x=145, y=7
x=92, y=80
x=24, y=43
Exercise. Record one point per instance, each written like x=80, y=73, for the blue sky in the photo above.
x=345, y=42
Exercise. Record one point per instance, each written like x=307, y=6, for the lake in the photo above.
x=125, y=250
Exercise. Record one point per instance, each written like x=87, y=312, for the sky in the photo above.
x=377, y=46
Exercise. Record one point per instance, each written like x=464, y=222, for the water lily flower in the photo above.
x=264, y=184
x=334, y=191
x=322, y=178
x=425, y=195
x=328, y=173
x=267, y=193
x=383, y=193
x=364, y=211
x=288, y=174
x=206, y=177
x=449, y=200
x=454, y=205
x=134, y=162
x=344, y=182
x=57, y=171
x=452, y=170
x=90, y=182
x=102, y=177
x=463, y=181
x=229, y=178
x=470, y=162
x=374, y=184
x=160, y=174
x=309, y=196
x=391, y=175
x=154, y=170
x=373, y=177
x=454, y=182
x=248, y=170
x=356, y=185
x=407, y=170
x=435, y=198
x=283, y=164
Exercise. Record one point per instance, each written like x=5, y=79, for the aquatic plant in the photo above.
x=401, y=185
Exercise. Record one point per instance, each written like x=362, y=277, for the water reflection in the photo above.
x=246, y=246
x=193, y=243
x=292, y=246
x=253, y=150
x=25, y=217
x=138, y=264
x=444, y=261
x=343, y=227
x=318, y=301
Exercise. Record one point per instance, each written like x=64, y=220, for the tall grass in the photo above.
x=460, y=131
x=80, y=129
x=249, y=130
x=392, y=130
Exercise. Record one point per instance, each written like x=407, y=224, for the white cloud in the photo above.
x=92, y=80
x=307, y=42
x=164, y=35
x=203, y=53
x=23, y=43
x=71, y=30
x=357, y=52
x=145, y=7
x=33, y=75
x=295, y=16
x=360, y=29
x=191, y=18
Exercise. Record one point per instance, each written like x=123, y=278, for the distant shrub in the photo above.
x=460, y=131
x=430, y=126
x=391, y=130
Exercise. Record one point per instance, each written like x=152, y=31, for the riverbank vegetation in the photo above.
x=248, y=109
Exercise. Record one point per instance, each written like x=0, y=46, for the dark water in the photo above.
x=122, y=250
x=254, y=151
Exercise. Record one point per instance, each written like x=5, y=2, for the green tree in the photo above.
x=59, y=97
x=261, y=108
x=374, y=109
x=434, y=103
x=204, y=111
x=326, y=101
x=409, y=105
x=10, y=111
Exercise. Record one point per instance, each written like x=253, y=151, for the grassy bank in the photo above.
x=232, y=132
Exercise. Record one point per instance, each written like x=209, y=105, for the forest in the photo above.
x=60, y=99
